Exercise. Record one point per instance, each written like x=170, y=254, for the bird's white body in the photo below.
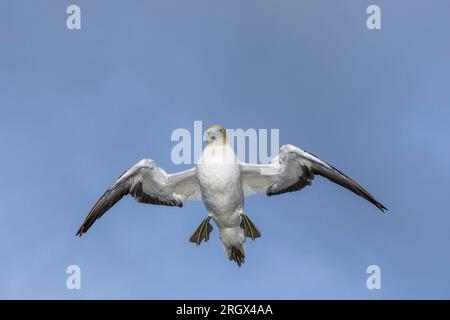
x=219, y=177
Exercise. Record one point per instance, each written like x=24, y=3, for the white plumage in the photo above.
x=221, y=181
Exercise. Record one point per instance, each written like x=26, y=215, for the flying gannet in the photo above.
x=222, y=182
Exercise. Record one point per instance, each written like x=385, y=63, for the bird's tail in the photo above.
x=233, y=239
x=236, y=253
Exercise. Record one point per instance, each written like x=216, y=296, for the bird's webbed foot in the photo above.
x=202, y=232
x=250, y=230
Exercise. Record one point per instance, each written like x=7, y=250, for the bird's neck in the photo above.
x=219, y=151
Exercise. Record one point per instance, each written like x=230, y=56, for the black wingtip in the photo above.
x=80, y=232
x=381, y=207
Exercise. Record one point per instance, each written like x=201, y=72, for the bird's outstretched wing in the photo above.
x=292, y=170
x=147, y=183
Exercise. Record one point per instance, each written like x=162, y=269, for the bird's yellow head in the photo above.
x=216, y=134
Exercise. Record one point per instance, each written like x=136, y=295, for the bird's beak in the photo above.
x=209, y=139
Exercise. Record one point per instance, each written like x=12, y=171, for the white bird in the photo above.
x=222, y=182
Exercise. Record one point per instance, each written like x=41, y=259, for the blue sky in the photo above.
x=79, y=107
